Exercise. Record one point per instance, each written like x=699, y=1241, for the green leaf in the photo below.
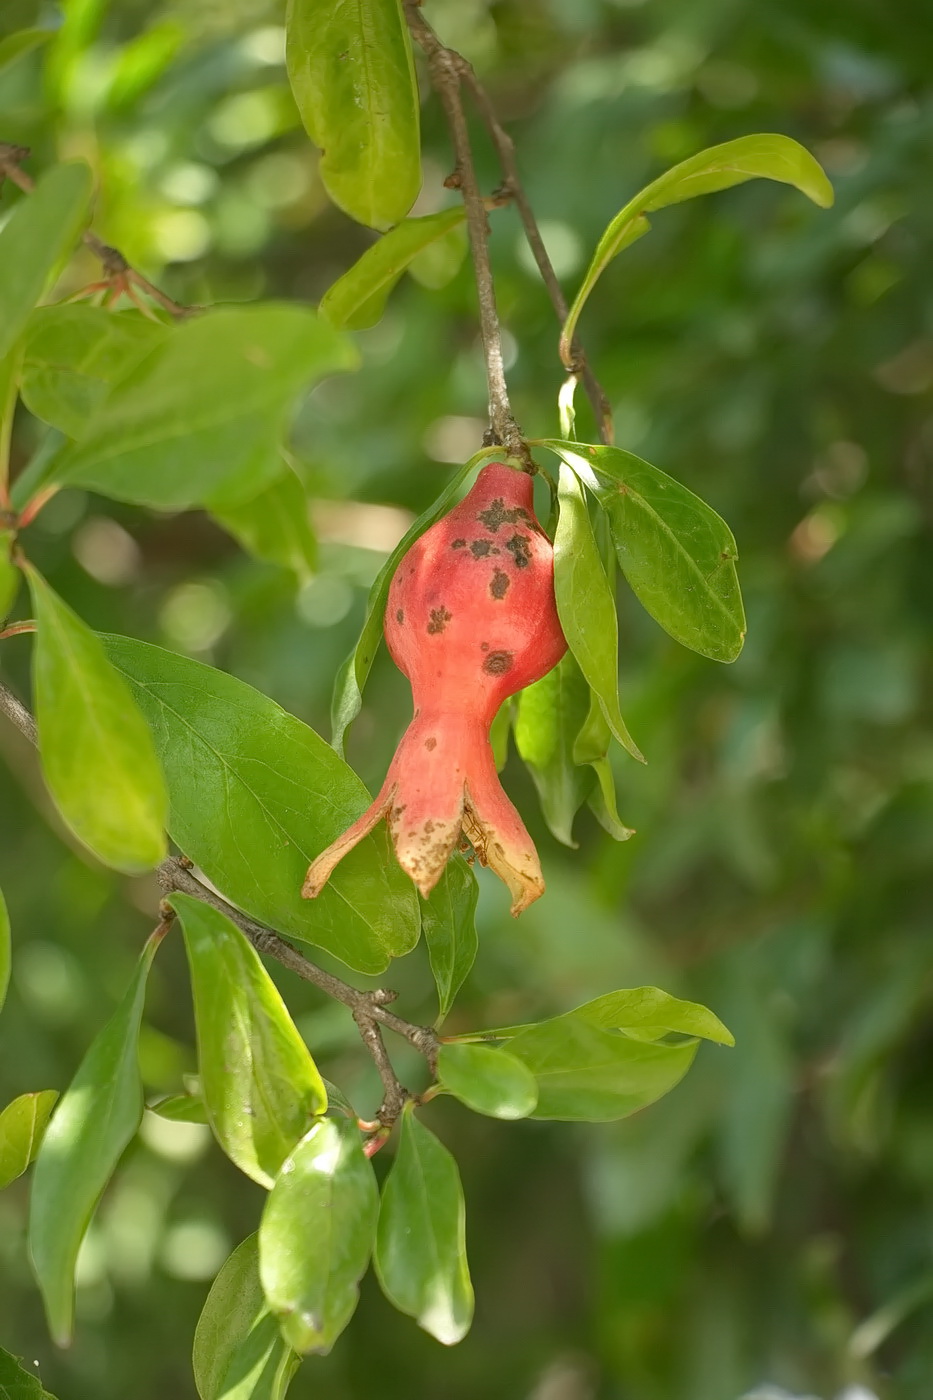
x=352, y=73
x=677, y=554
x=487, y=1079
x=97, y=754
x=255, y=795
x=275, y=526
x=585, y=604
x=591, y=746
x=17, y=1383
x=448, y=920
x=181, y=1108
x=586, y=1074
x=550, y=713
x=91, y=1126
x=40, y=232
x=358, y=298
x=337, y=1099
x=5, y=949
x=22, y=1124
x=351, y=678
x=769, y=156
x=9, y=575
x=239, y=1352
x=17, y=45
x=420, y=1256
x=260, y=1085
x=74, y=354
x=642, y=1010
x=499, y=732
x=200, y=418
x=317, y=1233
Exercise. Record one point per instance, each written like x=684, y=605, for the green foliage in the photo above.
x=274, y=525
x=353, y=76
x=358, y=298
x=447, y=918
x=15, y=1382
x=488, y=1080
x=22, y=1124
x=255, y=794
x=239, y=1352
x=420, y=1254
x=317, y=1234
x=5, y=949
x=97, y=754
x=260, y=1086
x=9, y=575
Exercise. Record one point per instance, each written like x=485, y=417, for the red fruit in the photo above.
x=470, y=620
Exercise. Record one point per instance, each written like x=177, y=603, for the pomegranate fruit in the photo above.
x=470, y=620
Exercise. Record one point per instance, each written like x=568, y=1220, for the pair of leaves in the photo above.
x=676, y=553
x=255, y=795
x=768, y=156
x=239, y=1351
x=97, y=754
x=92, y=1124
x=352, y=73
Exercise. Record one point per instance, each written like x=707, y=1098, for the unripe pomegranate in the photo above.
x=470, y=620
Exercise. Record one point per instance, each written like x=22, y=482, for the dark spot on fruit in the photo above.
x=484, y=646
x=428, y=827
x=496, y=514
x=498, y=662
x=430, y=744
x=520, y=551
x=400, y=616
x=439, y=619
x=458, y=544
x=481, y=548
x=499, y=585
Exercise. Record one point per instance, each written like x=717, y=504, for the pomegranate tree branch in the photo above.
x=370, y=1010
x=118, y=273
x=444, y=66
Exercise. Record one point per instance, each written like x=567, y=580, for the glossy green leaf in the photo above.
x=499, y=732
x=487, y=1079
x=261, y=1088
x=645, y=1010
x=351, y=70
x=420, y=1256
x=275, y=526
x=72, y=355
x=38, y=235
x=5, y=949
x=181, y=1108
x=17, y=45
x=94, y=1121
x=585, y=604
x=337, y=1099
x=16, y=1383
x=548, y=719
x=587, y=1074
x=22, y=1124
x=448, y=918
x=592, y=746
x=677, y=554
x=769, y=156
x=255, y=795
x=358, y=298
x=317, y=1234
x=96, y=750
x=239, y=1352
x=200, y=418
x=9, y=576
x=352, y=676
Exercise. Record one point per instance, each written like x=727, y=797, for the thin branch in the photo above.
x=369, y=1009
x=119, y=275
x=444, y=66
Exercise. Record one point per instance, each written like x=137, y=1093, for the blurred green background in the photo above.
x=766, y=1230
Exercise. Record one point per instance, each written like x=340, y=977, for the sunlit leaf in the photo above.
x=548, y=719
x=487, y=1079
x=92, y=1124
x=201, y=417
x=96, y=750
x=420, y=1256
x=317, y=1234
x=9, y=575
x=585, y=1073
x=769, y=156
x=181, y=1108
x=239, y=1352
x=351, y=70
x=676, y=553
x=639, y=1009
x=448, y=921
x=38, y=235
x=17, y=1383
x=255, y=795
x=22, y=1124
x=275, y=525
x=358, y=298
x=261, y=1088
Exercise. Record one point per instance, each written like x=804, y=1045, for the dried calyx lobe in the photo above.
x=470, y=620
